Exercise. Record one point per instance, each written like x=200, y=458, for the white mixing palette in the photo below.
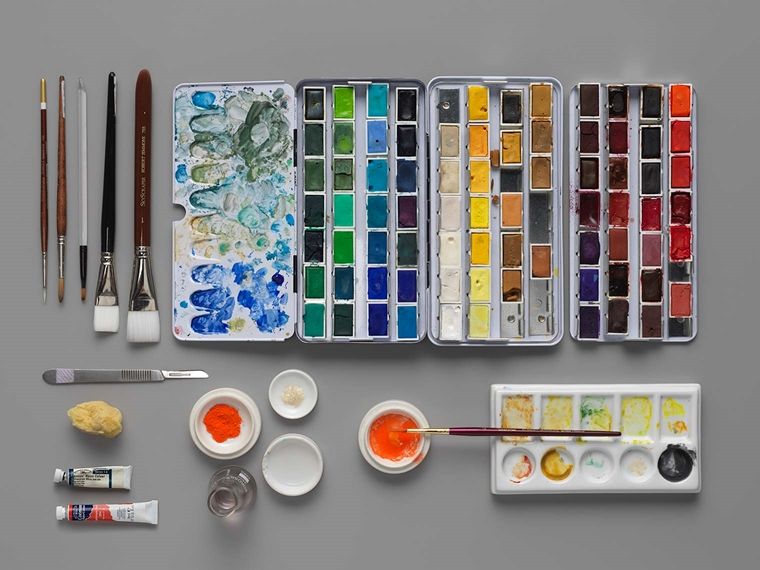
x=659, y=451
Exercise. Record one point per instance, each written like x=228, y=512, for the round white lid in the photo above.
x=292, y=464
x=299, y=380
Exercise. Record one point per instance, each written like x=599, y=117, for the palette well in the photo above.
x=659, y=451
x=361, y=210
x=495, y=201
x=633, y=209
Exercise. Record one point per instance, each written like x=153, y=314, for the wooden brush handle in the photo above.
x=61, y=194
x=143, y=92
x=43, y=181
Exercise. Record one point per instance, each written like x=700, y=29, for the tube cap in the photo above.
x=60, y=513
x=58, y=476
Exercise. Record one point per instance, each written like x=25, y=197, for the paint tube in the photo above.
x=109, y=477
x=146, y=513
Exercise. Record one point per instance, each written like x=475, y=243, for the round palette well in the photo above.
x=292, y=464
x=299, y=381
x=393, y=407
x=250, y=427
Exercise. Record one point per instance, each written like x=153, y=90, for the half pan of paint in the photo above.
x=659, y=451
x=386, y=448
x=636, y=230
x=495, y=211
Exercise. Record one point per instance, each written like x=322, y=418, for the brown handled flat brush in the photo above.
x=61, y=194
x=142, y=319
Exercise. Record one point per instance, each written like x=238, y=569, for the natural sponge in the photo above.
x=97, y=418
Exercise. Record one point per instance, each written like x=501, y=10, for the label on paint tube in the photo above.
x=146, y=513
x=108, y=477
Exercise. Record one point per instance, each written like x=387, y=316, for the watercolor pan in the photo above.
x=373, y=167
x=633, y=207
x=495, y=186
x=659, y=451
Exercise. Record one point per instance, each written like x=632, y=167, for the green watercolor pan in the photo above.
x=658, y=452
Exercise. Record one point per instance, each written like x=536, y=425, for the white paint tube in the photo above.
x=146, y=513
x=108, y=477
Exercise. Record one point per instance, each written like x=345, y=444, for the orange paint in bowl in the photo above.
x=387, y=439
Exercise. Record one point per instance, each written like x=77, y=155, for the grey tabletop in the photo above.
x=440, y=515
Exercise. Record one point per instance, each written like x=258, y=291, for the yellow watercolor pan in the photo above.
x=480, y=248
x=479, y=321
x=479, y=212
x=478, y=140
x=511, y=148
x=477, y=102
x=480, y=284
x=480, y=177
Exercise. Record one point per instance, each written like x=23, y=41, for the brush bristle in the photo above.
x=143, y=326
x=83, y=294
x=60, y=290
x=106, y=318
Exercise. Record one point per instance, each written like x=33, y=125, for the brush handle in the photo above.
x=43, y=169
x=61, y=194
x=143, y=95
x=510, y=432
x=108, y=213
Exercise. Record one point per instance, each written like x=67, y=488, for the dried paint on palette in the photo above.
x=233, y=148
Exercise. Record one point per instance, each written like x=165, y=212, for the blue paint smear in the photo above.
x=377, y=175
x=377, y=319
x=184, y=304
x=290, y=219
x=261, y=295
x=181, y=174
x=407, y=286
x=407, y=322
x=406, y=175
x=377, y=283
x=377, y=137
x=204, y=99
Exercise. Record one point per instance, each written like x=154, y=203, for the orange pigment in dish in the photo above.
x=388, y=440
x=223, y=422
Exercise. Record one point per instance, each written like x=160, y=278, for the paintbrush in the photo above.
x=106, y=317
x=511, y=432
x=82, y=100
x=142, y=319
x=43, y=185
x=61, y=193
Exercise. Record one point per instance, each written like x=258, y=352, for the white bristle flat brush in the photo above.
x=106, y=316
x=142, y=319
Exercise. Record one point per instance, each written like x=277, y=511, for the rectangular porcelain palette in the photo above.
x=362, y=210
x=659, y=451
x=495, y=210
x=633, y=205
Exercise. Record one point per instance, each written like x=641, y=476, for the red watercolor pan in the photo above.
x=651, y=214
x=618, y=137
x=680, y=136
x=680, y=171
x=680, y=243
x=680, y=300
x=619, y=204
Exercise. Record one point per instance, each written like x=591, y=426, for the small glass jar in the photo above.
x=231, y=488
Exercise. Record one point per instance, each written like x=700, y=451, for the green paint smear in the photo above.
x=343, y=247
x=343, y=138
x=343, y=102
x=595, y=414
x=315, y=282
x=224, y=248
x=314, y=175
x=343, y=210
x=314, y=320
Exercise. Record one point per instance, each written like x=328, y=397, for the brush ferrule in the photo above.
x=105, y=294
x=44, y=269
x=61, y=255
x=142, y=295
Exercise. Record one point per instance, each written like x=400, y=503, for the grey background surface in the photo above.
x=441, y=515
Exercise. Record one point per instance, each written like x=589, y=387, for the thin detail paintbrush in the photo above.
x=82, y=100
x=142, y=319
x=43, y=185
x=61, y=193
x=106, y=316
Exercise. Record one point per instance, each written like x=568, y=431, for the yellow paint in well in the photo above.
x=674, y=414
x=557, y=412
x=479, y=321
x=480, y=284
x=636, y=416
x=480, y=248
x=517, y=412
x=477, y=102
x=478, y=145
x=480, y=177
x=511, y=147
x=479, y=210
x=554, y=466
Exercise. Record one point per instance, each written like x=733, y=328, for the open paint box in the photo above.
x=307, y=211
x=633, y=205
x=659, y=451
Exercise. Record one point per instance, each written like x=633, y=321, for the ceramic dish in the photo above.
x=298, y=379
x=249, y=429
x=292, y=464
